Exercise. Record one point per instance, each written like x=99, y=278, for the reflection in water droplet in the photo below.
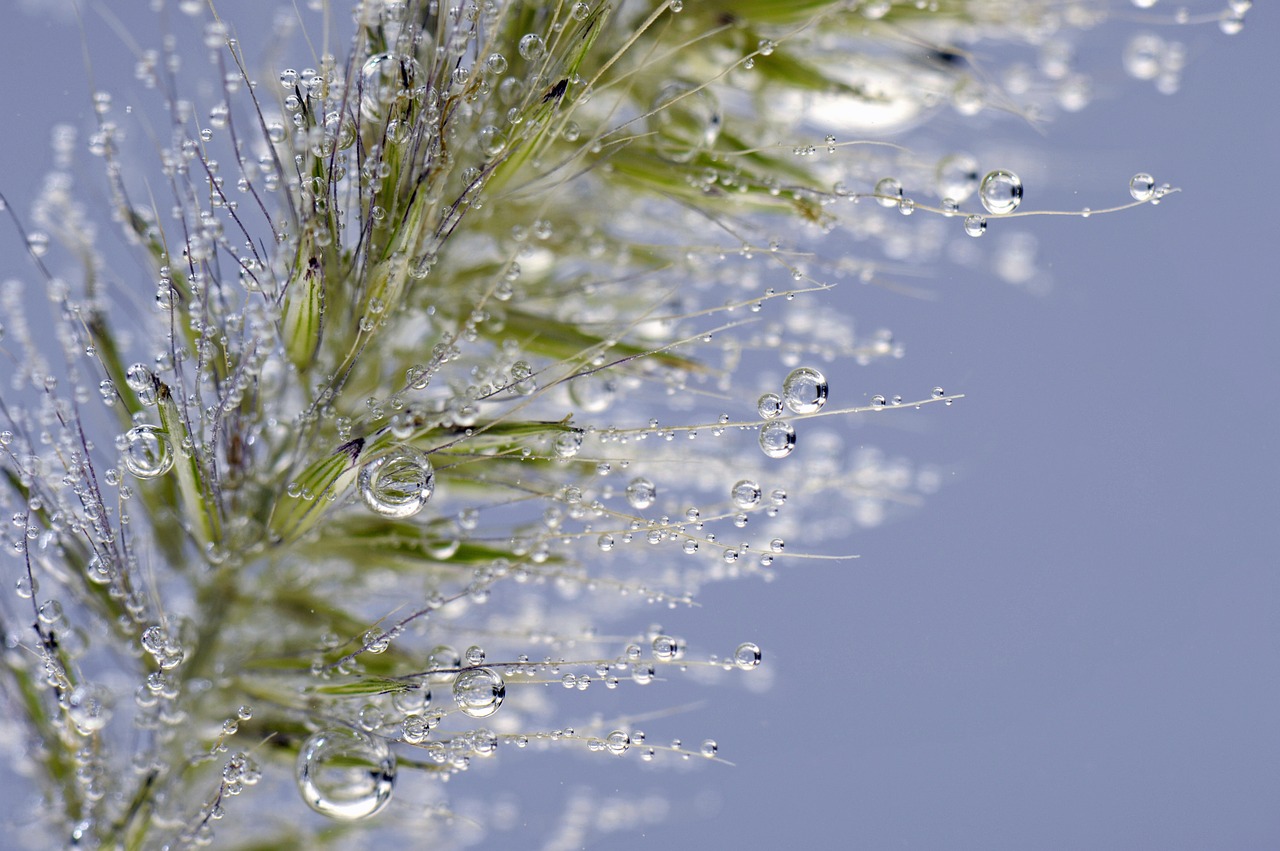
x=975, y=226
x=480, y=692
x=383, y=78
x=685, y=119
x=747, y=656
x=769, y=406
x=777, y=439
x=1142, y=187
x=805, y=390
x=89, y=707
x=397, y=485
x=667, y=648
x=957, y=177
x=641, y=493
x=147, y=451
x=888, y=192
x=746, y=494
x=345, y=774
x=1001, y=192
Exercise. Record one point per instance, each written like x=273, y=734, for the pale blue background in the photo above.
x=1074, y=645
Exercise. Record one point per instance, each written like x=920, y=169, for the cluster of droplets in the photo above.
x=804, y=391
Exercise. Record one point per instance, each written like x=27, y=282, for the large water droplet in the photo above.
x=383, y=77
x=769, y=406
x=479, y=692
x=593, y=393
x=975, y=226
x=399, y=484
x=747, y=656
x=1142, y=187
x=532, y=47
x=641, y=493
x=147, y=451
x=1001, y=192
x=888, y=192
x=805, y=390
x=345, y=774
x=745, y=494
x=685, y=119
x=957, y=177
x=777, y=439
x=89, y=707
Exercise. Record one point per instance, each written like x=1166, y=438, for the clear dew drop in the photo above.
x=382, y=78
x=532, y=47
x=641, y=493
x=805, y=390
x=684, y=120
x=975, y=226
x=1001, y=192
x=89, y=707
x=397, y=485
x=667, y=648
x=747, y=656
x=1142, y=187
x=745, y=494
x=888, y=192
x=479, y=693
x=769, y=406
x=957, y=177
x=147, y=451
x=777, y=439
x=709, y=748
x=345, y=774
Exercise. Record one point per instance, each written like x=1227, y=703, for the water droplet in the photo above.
x=1142, y=187
x=593, y=393
x=938, y=392
x=747, y=656
x=745, y=494
x=567, y=444
x=641, y=493
x=667, y=648
x=805, y=390
x=957, y=177
x=147, y=451
x=397, y=485
x=975, y=226
x=480, y=692
x=1001, y=192
x=617, y=742
x=709, y=748
x=345, y=774
x=383, y=78
x=769, y=406
x=888, y=192
x=777, y=439
x=684, y=120
x=38, y=243
x=532, y=47
x=89, y=707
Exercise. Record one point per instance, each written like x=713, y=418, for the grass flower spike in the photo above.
x=440, y=352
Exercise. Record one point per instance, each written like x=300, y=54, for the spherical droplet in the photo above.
x=383, y=78
x=667, y=648
x=777, y=439
x=641, y=493
x=532, y=47
x=769, y=406
x=397, y=485
x=1001, y=192
x=745, y=494
x=89, y=707
x=479, y=692
x=888, y=192
x=345, y=774
x=975, y=226
x=747, y=656
x=1142, y=187
x=805, y=390
x=684, y=119
x=147, y=451
x=957, y=177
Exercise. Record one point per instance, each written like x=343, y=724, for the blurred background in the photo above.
x=1074, y=643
